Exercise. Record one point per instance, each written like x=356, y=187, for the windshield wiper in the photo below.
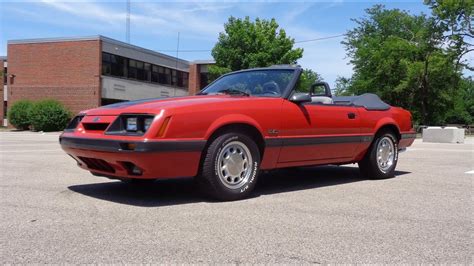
x=234, y=92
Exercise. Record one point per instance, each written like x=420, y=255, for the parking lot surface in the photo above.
x=54, y=212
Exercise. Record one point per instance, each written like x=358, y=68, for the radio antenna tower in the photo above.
x=127, y=32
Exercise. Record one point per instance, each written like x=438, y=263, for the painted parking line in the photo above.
x=23, y=151
x=439, y=149
x=37, y=144
x=470, y=172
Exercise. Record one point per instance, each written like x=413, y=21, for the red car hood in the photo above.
x=155, y=105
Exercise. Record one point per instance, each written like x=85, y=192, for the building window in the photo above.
x=113, y=65
x=132, y=69
x=167, y=76
x=118, y=66
x=204, y=80
x=174, y=77
x=185, y=79
x=5, y=109
x=154, y=74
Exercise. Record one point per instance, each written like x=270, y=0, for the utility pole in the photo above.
x=177, y=52
x=127, y=33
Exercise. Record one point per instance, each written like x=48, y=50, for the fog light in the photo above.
x=136, y=170
x=132, y=124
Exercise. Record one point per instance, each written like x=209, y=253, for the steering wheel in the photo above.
x=271, y=87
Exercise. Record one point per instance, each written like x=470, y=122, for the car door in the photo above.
x=318, y=133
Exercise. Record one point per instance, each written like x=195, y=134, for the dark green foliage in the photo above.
x=455, y=17
x=403, y=58
x=18, y=114
x=49, y=115
x=342, y=87
x=308, y=77
x=247, y=44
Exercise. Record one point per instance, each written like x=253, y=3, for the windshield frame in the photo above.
x=286, y=91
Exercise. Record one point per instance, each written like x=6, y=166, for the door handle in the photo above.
x=351, y=115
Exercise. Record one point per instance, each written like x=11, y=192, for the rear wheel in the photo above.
x=381, y=159
x=230, y=167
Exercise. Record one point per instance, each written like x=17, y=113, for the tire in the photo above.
x=230, y=167
x=381, y=158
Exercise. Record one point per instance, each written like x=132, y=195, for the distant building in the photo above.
x=87, y=72
x=3, y=89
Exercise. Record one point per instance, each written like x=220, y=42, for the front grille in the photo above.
x=95, y=126
x=97, y=164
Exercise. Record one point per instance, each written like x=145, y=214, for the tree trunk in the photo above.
x=424, y=93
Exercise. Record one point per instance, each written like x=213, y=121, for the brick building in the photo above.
x=88, y=72
x=3, y=89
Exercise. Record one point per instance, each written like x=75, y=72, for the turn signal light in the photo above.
x=163, y=127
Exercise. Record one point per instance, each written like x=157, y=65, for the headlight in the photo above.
x=74, y=122
x=147, y=123
x=131, y=124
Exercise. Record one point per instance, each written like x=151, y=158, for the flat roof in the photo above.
x=108, y=40
x=3, y=58
x=203, y=62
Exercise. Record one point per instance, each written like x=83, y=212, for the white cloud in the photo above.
x=199, y=22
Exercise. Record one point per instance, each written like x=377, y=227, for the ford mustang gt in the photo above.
x=240, y=124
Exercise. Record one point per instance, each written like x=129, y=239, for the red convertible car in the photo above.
x=243, y=122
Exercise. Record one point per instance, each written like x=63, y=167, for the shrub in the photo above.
x=49, y=115
x=18, y=115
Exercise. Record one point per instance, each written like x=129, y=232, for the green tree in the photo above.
x=400, y=57
x=18, y=114
x=342, y=86
x=455, y=17
x=246, y=44
x=49, y=115
x=462, y=111
x=308, y=77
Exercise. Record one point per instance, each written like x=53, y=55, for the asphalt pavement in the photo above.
x=54, y=212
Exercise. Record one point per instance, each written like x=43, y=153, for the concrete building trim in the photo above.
x=124, y=89
x=142, y=54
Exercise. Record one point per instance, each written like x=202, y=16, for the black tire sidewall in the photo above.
x=217, y=145
x=373, y=157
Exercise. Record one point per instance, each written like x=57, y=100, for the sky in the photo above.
x=155, y=24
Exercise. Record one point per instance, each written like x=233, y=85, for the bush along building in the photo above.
x=88, y=72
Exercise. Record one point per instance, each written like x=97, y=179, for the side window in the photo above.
x=302, y=86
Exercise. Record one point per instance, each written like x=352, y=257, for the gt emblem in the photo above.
x=96, y=119
x=273, y=132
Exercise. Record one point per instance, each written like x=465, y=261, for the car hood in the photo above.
x=157, y=104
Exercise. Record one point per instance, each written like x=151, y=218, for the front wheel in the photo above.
x=381, y=159
x=230, y=167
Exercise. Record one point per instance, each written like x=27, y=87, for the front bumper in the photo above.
x=116, y=158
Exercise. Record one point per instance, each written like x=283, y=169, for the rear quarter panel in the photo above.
x=373, y=121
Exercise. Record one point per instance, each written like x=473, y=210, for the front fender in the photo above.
x=232, y=119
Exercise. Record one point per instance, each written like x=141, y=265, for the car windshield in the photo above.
x=268, y=83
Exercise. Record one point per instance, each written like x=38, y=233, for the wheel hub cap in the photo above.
x=234, y=165
x=385, y=154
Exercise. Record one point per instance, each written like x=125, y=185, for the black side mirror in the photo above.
x=327, y=89
x=300, y=98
